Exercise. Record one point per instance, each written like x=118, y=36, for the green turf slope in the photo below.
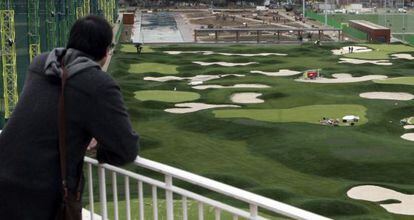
x=306, y=114
x=166, y=96
x=302, y=163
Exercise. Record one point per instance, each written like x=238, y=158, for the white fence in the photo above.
x=254, y=201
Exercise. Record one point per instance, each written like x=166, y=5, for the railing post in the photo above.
x=200, y=211
x=102, y=192
x=169, y=197
x=185, y=209
x=115, y=195
x=90, y=186
x=217, y=214
x=127, y=199
x=141, y=201
x=253, y=212
x=155, y=202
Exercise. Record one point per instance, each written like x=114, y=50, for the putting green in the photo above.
x=130, y=48
x=166, y=96
x=380, y=51
x=398, y=80
x=153, y=68
x=307, y=114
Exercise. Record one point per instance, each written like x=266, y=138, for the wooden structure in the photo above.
x=299, y=32
x=128, y=19
x=375, y=32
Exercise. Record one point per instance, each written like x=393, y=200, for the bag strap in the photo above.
x=62, y=132
x=62, y=138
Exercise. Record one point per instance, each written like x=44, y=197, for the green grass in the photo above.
x=302, y=163
x=381, y=51
x=166, y=96
x=397, y=80
x=130, y=48
x=153, y=68
x=305, y=114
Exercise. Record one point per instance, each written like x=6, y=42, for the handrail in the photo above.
x=253, y=200
x=174, y=189
x=228, y=190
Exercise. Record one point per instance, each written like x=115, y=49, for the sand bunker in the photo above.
x=223, y=63
x=247, y=86
x=183, y=108
x=405, y=56
x=345, y=50
x=400, y=96
x=199, y=79
x=408, y=136
x=378, y=194
x=342, y=78
x=164, y=78
x=206, y=53
x=282, y=72
x=246, y=98
x=408, y=127
x=358, y=61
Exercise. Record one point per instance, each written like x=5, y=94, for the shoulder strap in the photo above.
x=62, y=139
x=62, y=132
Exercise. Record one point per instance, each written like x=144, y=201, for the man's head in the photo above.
x=91, y=35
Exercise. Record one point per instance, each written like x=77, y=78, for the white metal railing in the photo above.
x=253, y=200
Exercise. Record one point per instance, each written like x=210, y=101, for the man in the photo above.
x=30, y=181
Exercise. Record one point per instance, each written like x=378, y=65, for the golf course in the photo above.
x=252, y=117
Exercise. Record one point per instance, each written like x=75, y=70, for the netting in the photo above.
x=401, y=24
x=333, y=22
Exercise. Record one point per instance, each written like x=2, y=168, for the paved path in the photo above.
x=115, y=31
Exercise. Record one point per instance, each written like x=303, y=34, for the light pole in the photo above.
x=304, y=8
x=326, y=12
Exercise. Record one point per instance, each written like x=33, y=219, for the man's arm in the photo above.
x=110, y=125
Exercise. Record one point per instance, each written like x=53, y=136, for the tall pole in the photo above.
x=304, y=8
x=326, y=12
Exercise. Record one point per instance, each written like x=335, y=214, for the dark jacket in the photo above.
x=30, y=182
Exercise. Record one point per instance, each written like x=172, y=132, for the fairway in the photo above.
x=166, y=96
x=130, y=48
x=380, y=51
x=275, y=144
x=306, y=114
x=153, y=68
x=397, y=80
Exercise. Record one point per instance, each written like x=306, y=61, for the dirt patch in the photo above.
x=359, y=61
x=206, y=53
x=343, y=78
x=246, y=86
x=199, y=79
x=379, y=194
x=408, y=136
x=246, y=98
x=345, y=50
x=226, y=64
x=282, y=72
x=400, y=96
x=183, y=108
x=404, y=56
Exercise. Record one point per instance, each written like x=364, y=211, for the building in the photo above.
x=375, y=32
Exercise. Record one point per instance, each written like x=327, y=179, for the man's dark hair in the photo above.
x=91, y=35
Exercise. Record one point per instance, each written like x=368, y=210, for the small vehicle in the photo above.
x=401, y=10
